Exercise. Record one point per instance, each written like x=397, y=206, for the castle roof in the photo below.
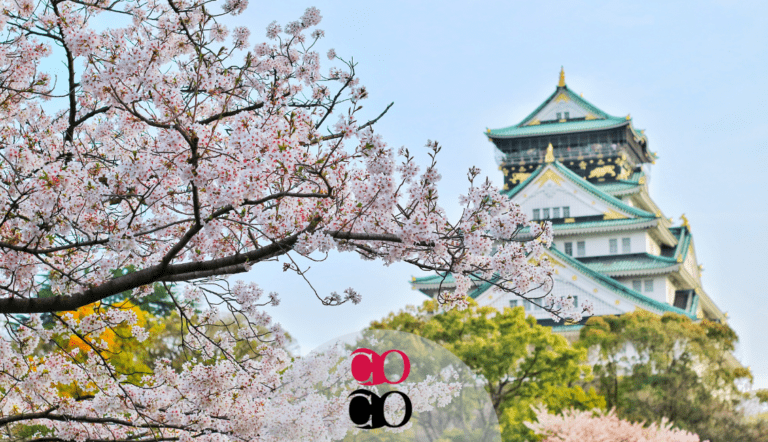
x=550, y=117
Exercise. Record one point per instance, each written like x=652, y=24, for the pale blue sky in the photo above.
x=692, y=74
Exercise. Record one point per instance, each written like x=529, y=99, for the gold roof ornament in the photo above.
x=561, y=83
x=550, y=156
x=685, y=221
x=629, y=117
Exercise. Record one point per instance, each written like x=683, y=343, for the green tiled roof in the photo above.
x=602, y=120
x=594, y=190
x=609, y=283
x=619, y=287
x=584, y=184
x=608, y=223
x=556, y=128
x=622, y=186
x=574, y=97
x=644, y=261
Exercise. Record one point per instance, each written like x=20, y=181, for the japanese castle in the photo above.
x=588, y=173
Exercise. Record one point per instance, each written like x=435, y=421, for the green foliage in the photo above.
x=521, y=362
x=650, y=366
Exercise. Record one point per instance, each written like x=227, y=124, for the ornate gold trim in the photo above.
x=685, y=221
x=569, y=220
x=534, y=122
x=612, y=214
x=561, y=83
x=519, y=177
x=550, y=156
x=599, y=172
x=549, y=175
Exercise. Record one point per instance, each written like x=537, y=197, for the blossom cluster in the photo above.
x=178, y=150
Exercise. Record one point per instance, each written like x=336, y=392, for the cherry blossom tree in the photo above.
x=598, y=426
x=178, y=149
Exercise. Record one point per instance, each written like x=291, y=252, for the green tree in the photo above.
x=520, y=362
x=649, y=367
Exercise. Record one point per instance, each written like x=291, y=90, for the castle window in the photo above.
x=637, y=286
x=556, y=212
x=648, y=285
x=681, y=300
x=536, y=214
x=613, y=246
x=545, y=213
x=513, y=303
x=566, y=212
x=559, y=116
x=569, y=248
x=567, y=115
x=575, y=301
x=581, y=248
x=626, y=245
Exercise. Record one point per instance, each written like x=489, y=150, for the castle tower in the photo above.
x=587, y=172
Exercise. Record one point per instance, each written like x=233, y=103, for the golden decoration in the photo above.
x=570, y=220
x=595, y=290
x=591, y=161
x=519, y=177
x=554, y=261
x=685, y=221
x=562, y=96
x=593, y=203
x=583, y=165
x=680, y=258
x=562, y=120
x=505, y=171
x=413, y=278
x=549, y=175
x=521, y=162
x=601, y=162
x=641, y=180
x=560, y=159
x=487, y=130
x=525, y=195
x=581, y=95
x=506, y=186
x=580, y=157
x=561, y=83
x=590, y=117
x=612, y=214
x=522, y=169
x=617, y=302
x=534, y=122
x=574, y=277
x=624, y=174
x=629, y=117
x=550, y=156
x=599, y=172
x=701, y=267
